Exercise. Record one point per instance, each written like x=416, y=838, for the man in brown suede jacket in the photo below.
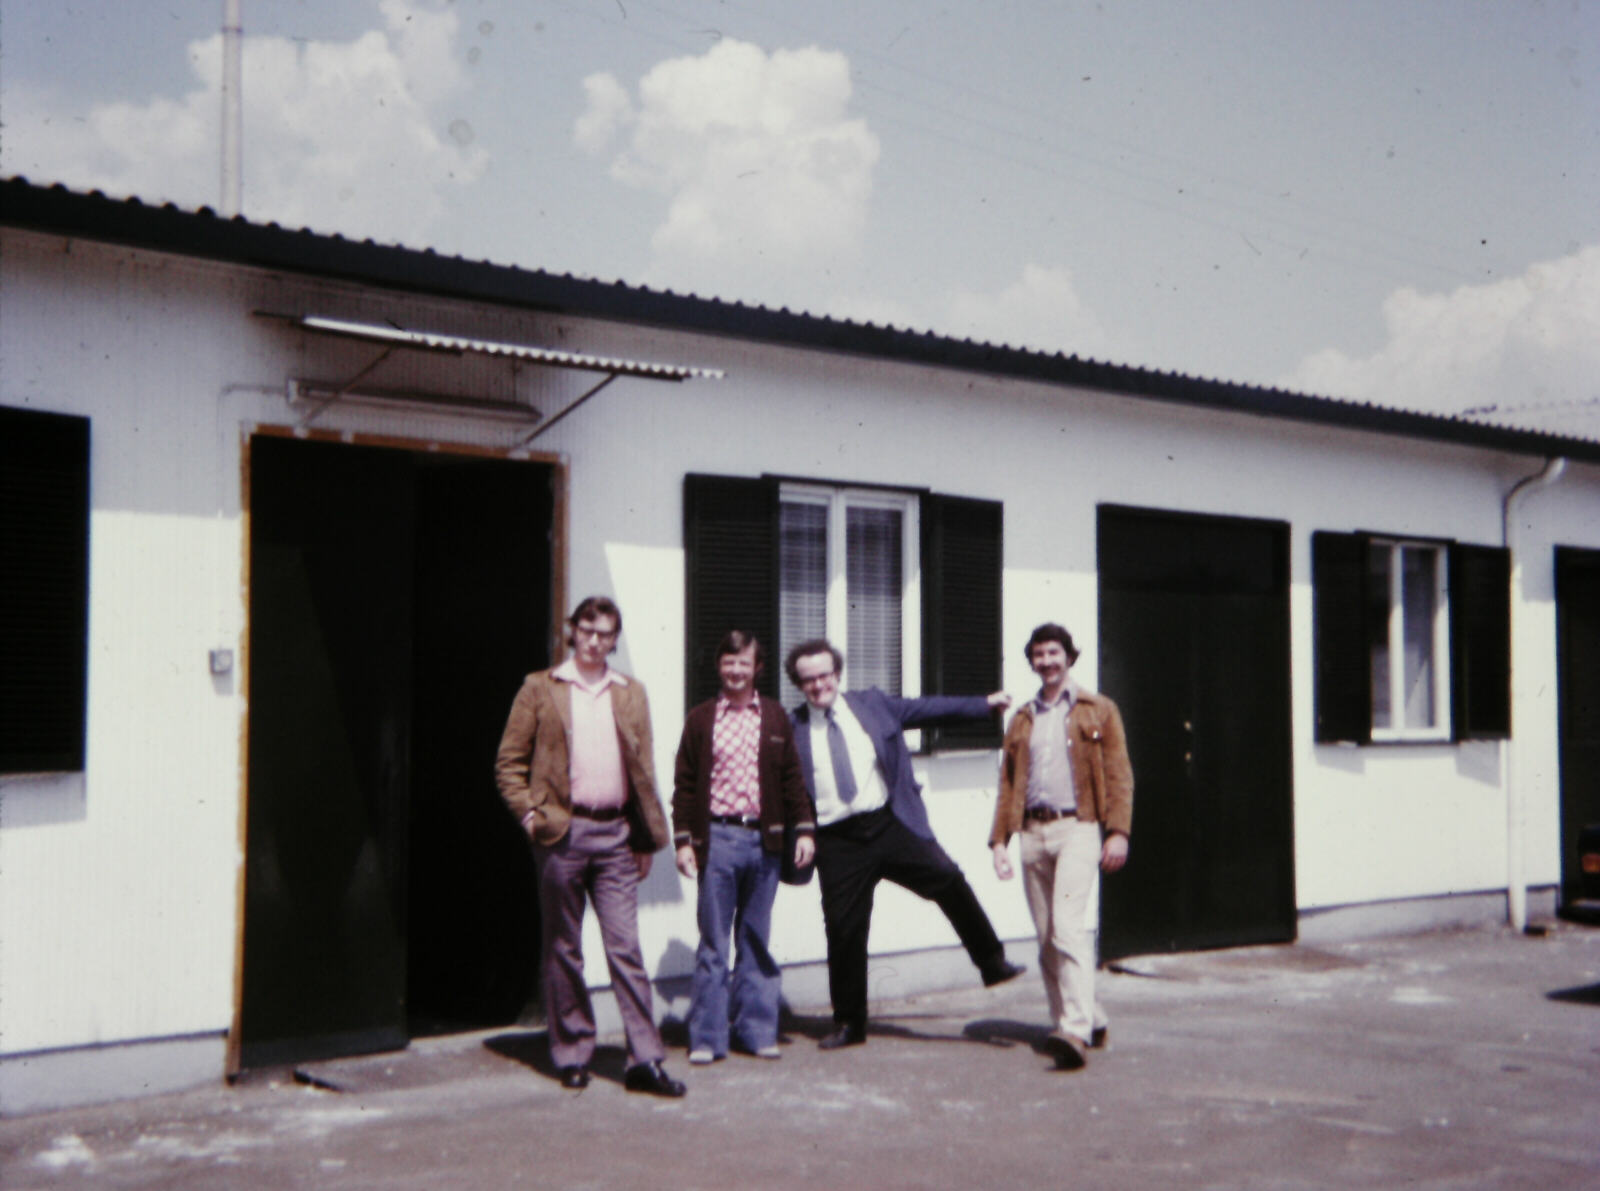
x=1066, y=786
x=575, y=766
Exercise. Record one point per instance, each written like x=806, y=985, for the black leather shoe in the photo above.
x=1100, y=1038
x=575, y=1078
x=1069, y=1053
x=651, y=1078
x=1006, y=971
x=843, y=1036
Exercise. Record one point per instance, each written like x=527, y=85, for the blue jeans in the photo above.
x=737, y=889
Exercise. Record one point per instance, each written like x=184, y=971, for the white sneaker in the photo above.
x=701, y=1057
x=769, y=1052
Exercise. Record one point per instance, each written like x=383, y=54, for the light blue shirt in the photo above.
x=1049, y=753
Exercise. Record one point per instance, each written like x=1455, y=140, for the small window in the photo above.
x=847, y=570
x=1408, y=641
x=44, y=591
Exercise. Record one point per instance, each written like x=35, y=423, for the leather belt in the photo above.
x=600, y=814
x=1047, y=814
x=753, y=823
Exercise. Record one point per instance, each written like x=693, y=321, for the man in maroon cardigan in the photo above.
x=736, y=790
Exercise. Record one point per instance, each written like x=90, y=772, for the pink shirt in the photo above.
x=735, y=750
x=594, y=756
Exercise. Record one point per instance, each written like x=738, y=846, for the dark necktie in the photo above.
x=844, y=777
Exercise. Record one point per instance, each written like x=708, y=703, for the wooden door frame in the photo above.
x=561, y=481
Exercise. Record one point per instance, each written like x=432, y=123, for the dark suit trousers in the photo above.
x=593, y=860
x=853, y=855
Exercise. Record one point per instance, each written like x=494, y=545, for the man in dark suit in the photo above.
x=872, y=825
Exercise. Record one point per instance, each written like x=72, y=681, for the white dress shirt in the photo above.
x=871, y=790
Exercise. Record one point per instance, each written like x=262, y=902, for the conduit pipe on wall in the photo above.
x=1516, y=879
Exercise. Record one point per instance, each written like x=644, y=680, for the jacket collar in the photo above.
x=567, y=671
x=1073, y=693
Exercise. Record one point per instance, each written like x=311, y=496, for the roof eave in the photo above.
x=203, y=234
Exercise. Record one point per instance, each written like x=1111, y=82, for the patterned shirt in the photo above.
x=735, y=748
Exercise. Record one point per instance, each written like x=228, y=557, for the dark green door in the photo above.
x=1194, y=647
x=396, y=599
x=1578, y=662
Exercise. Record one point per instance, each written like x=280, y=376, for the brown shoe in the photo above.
x=1070, y=1053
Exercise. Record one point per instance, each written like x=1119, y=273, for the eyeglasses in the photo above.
x=588, y=630
x=813, y=679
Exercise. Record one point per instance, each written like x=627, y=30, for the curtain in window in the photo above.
x=1418, y=589
x=873, y=583
x=802, y=575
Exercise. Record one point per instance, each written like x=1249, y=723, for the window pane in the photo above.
x=873, y=582
x=1378, y=571
x=802, y=575
x=1418, y=589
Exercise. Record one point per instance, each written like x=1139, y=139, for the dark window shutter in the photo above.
x=730, y=541
x=1480, y=642
x=962, y=556
x=44, y=590
x=1343, y=694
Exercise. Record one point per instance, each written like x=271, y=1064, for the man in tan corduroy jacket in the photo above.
x=1066, y=787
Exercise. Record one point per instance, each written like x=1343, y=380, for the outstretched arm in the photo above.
x=943, y=709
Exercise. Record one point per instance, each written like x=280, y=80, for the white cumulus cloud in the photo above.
x=1041, y=309
x=765, y=174
x=344, y=136
x=1523, y=351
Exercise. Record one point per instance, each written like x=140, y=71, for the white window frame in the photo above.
x=1440, y=730
x=838, y=501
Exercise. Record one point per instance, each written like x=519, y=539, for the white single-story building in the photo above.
x=286, y=517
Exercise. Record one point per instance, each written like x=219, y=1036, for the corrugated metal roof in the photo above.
x=203, y=234
x=431, y=341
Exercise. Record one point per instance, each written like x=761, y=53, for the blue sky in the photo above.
x=1392, y=202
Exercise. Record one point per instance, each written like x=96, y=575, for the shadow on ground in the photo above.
x=1583, y=994
x=533, y=1051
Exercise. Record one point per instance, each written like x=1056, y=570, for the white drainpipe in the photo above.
x=1516, y=880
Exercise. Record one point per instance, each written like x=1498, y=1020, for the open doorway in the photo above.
x=397, y=597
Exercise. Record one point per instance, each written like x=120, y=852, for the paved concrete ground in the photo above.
x=1451, y=1059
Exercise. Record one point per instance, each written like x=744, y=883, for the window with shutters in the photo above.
x=1412, y=639
x=44, y=591
x=907, y=584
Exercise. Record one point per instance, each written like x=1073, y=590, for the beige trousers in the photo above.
x=1061, y=875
